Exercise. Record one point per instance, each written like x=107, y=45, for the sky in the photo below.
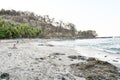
x=100, y=15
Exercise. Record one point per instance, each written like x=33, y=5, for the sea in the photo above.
x=111, y=45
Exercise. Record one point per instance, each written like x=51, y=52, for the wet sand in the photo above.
x=101, y=55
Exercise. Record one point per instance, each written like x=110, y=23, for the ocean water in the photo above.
x=111, y=45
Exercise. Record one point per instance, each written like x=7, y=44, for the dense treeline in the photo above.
x=49, y=27
x=10, y=30
x=9, y=12
x=87, y=34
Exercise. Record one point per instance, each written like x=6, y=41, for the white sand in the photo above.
x=35, y=60
x=30, y=61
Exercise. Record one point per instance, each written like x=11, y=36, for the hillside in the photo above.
x=49, y=27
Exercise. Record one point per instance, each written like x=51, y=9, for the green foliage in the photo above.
x=49, y=28
x=8, y=12
x=10, y=30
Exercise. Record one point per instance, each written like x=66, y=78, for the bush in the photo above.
x=10, y=30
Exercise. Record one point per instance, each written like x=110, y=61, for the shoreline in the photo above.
x=112, y=58
x=37, y=59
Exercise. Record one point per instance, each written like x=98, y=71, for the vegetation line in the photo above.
x=18, y=24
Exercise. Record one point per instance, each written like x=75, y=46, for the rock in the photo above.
x=63, y=78
x=5, y=76
x=117, y=58
x=91, y=59
x=60, y=59
x=40, y=44
x=42, y=58
x=9, y=54
x=43, y=44
x=79, y=57
x=95, y=70
x=118, y=53
x=94, y=77
x=115, y=61
x=82, y=57
x=72, y=57
x=50, y=45
x=105, y=56
x=58, y=54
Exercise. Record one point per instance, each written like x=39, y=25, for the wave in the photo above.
x=111, y=45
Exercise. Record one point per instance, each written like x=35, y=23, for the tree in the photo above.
x=87, y=34
x=10, y=30
x=72, y=29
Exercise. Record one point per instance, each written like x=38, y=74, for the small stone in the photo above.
x=50, y=45
x=32, y=69
x=42, y=58
x=9, y=54
x=40, y=44
x=91, y=59
x=60, y=59
x=58, y=54
x=115, y=61
x=63, y=78
x=105, y=56
x=72, y=57
x=82, y=57
x=5, y=76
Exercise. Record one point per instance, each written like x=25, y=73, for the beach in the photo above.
x=36, y=59
x=101, y=55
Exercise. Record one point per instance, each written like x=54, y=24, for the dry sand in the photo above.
x=37, y=60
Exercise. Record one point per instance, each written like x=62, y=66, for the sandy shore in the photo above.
x=37, y=60
x=101, y=55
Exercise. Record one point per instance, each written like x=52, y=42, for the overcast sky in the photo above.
x=100, y=15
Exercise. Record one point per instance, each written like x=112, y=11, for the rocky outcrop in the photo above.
x=95, y=70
